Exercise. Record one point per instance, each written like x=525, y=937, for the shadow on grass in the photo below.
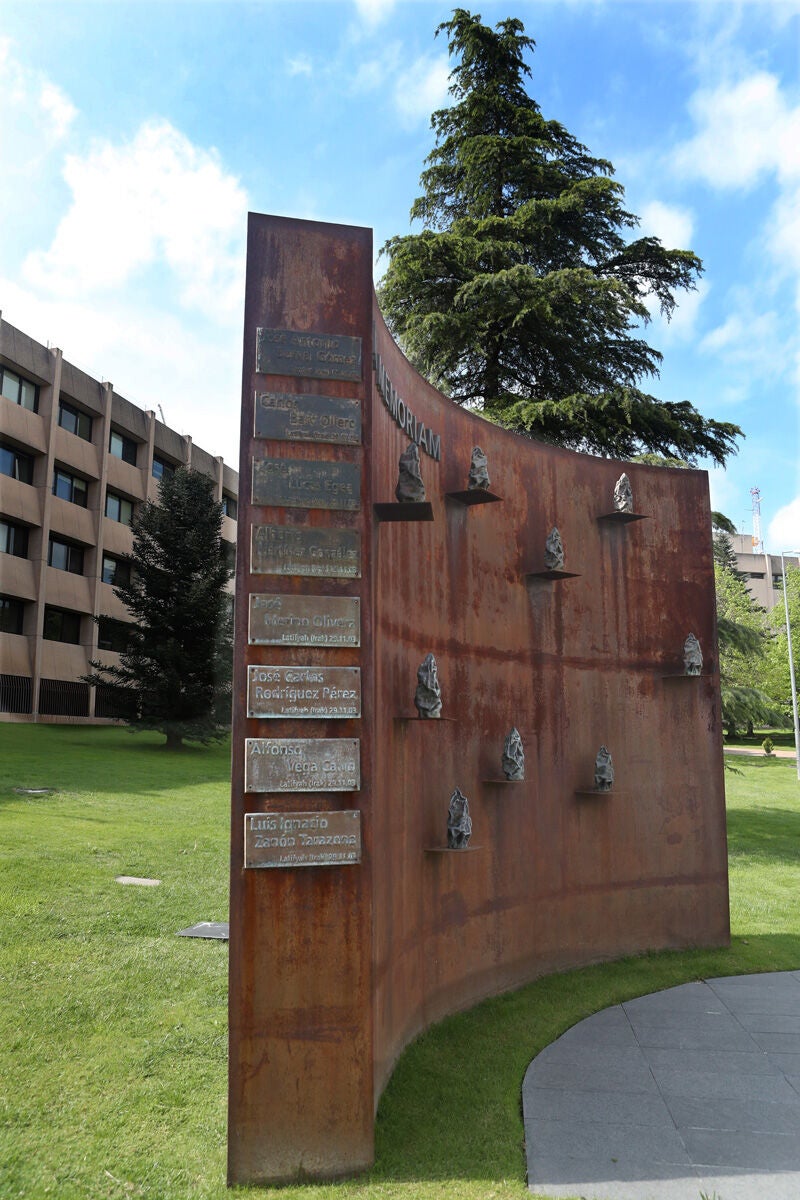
x=764, y=834
x=452, y=1109
x=107, y=759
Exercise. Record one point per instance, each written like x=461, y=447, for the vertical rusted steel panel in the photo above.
x=300, y=1074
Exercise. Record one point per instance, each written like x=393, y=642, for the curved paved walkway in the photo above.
x=695, y=1090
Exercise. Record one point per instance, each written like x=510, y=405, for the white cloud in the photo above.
x=744, y=131
x=750, y=339
x=152, y=356
x=156, y=201
x=422, y=88
x=374, y=11
x=36, y=114
x=784, y=528
x=301, y=65
x=674, y=226
x=58, y=108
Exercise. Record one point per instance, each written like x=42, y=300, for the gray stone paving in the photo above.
x=687, y=1093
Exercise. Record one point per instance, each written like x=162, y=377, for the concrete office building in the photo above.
x=75, y=461
x=762, y=571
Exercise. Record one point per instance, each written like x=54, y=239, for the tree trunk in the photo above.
x=174, y=741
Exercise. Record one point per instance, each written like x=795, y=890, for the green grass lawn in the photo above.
x=113, y=1030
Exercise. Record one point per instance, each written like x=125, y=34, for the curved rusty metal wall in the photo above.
x=556, y=879
x=335, y=969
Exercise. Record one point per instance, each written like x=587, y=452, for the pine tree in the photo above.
x=522, y=298
x=175, y=674
x=743, y=634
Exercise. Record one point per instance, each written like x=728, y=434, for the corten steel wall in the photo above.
x=556, y=879
x=333, y=970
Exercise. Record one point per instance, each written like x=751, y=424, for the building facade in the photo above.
x=76, y=459
x=762, y=572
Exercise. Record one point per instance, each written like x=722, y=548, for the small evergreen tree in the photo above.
x=724, y=554
x=743, y=633
x=175, y=674
x=778, y=677
x=521, y=297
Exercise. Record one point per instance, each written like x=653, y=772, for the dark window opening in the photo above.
x=65, y=556
x=74, y=421
x=13, y=539
x=15, y=464
x=62, y=625
x=18, y=390
x=11, y=614
x=122, y=447
x=70, y=487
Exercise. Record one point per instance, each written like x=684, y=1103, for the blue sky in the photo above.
x=135, y=137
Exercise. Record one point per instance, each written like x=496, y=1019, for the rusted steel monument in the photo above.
x=352, y=926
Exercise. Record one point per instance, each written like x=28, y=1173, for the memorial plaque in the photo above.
x=308, y=354
x=285, y=417
x=327, y=692
x=297, y=550
x=302, y=839
x=303, y=483
x=286, y=620
x=302, y=765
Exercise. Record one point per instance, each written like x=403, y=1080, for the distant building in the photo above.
x=762, y=572
x=75, y=461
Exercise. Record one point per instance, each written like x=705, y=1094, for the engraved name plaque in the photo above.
x=286, y=620
x=303, y=691
x=302, y=765
x=289, y=418
x=302, y=839
x=308, y=354
x=299, y=483
x=296, y=550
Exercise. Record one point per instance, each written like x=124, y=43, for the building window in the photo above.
x=118, y=508
x=11, y=611
x=229, y=554
x=65, y=556
x=122, y=447
x=70, y=487
x=755, y=575
x=20, y=391
x=116, y=571
x=15, y=464
x=161, y=468
x=229, y=506
x=777, y=581
x=62, y=625
x=112, y=635
x=13, y=539
x=74, y=421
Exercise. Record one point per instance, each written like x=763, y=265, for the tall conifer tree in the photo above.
x=175, y=674
x=522, y=297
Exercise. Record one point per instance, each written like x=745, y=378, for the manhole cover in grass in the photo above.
x=206, y=929
x=136, y=880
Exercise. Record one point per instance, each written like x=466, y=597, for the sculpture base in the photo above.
x=404, y=510
x=551, y=576
x=623, y=518
x=474, y=496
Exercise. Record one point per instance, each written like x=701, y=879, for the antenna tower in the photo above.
x=758, y=544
